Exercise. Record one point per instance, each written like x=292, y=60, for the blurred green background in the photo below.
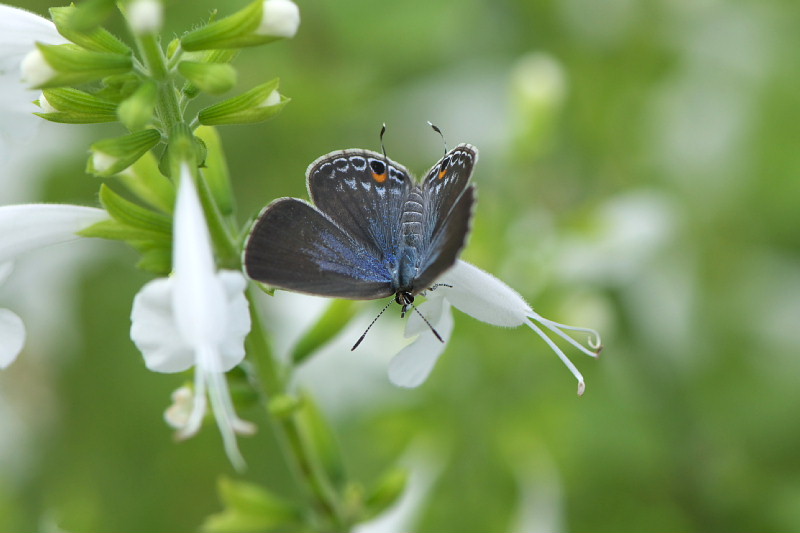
x=639, y=174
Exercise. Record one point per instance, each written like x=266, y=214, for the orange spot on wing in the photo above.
x=442, y=173
x=380, y=178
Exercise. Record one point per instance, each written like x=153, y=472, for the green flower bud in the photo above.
x=96, y=39
x=256, y=105
x=261, y=22
x=72, y=106
x=216, y=169
x=213, y=78
x=111, y=156
x=68, y=64
x=136, y=111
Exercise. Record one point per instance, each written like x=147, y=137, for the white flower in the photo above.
x=19, y=30
x=486, y=298
x=26, y=227
x=145, y=16
x=281, y=18
x=198, y=317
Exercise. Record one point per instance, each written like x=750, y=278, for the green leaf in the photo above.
x=130, y=214
x=96, y=39
x=249, y=507
x=117, y=231
x=138, y=109
x=330, y=324
x=148, y=184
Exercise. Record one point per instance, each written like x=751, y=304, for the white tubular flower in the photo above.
x=26, y=227
x=19, y=30
x=196, y=318
x=488, y=299
x=281, y=18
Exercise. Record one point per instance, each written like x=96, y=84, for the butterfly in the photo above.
x=371, y=230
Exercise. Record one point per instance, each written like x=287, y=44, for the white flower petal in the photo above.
x=19, y=29
x=483, y=296
x=35, y=70
x=198, y=297
x=281, y=18
x=29, y=226
x=12, y=337
x=145, y=16
x=238, y=318
x=5, y=270
x=154, y=332
x=412, y=365
x=433, y=310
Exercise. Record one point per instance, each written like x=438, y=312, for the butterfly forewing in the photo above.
x=294, y=246
x=445, y=182
x=363, y=195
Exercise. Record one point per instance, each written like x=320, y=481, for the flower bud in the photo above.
x=71, y=106
x=261, y=22
x=111, y=156
x=256, y=105
x=68, y=64
x=213, y=78
x=145, y=16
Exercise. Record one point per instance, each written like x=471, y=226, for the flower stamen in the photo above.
x=564, y=359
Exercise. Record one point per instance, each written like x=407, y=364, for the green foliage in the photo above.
x=250, y=507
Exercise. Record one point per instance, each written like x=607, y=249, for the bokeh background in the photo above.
x=639, y=173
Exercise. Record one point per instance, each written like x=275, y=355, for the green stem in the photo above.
x=294, y=442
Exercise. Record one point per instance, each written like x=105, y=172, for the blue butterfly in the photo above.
x=371, y=232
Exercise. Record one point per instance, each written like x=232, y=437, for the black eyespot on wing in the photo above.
x=378, y=167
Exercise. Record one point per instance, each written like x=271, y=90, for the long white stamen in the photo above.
x=594, y=341
x=198, y=409
x=223, y=412
x=561, y=355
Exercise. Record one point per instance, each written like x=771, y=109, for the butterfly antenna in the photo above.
x=361, y=338
x=414, y=307
x=437, y=130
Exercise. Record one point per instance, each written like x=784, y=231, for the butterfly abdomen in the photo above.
x=411, y=239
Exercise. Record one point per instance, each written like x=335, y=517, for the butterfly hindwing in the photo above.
x=294, y=246
x=363, y=195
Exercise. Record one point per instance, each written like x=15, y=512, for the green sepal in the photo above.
x=386, y=492
x=138, y=109
x=235, y=31
x=89, y=15
x=111, y=156
x=216, y=170
x=282, y=406
x=210, y=56
x=115, y=230
x=96, y=39
x=133, y=215
x=148, y=184
x=119, y=87
x=246, y=108
x=76, y=107
x=75, y=66
x=212, y=78
x=250, y=507
x=330, y=324
x=156, y=260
